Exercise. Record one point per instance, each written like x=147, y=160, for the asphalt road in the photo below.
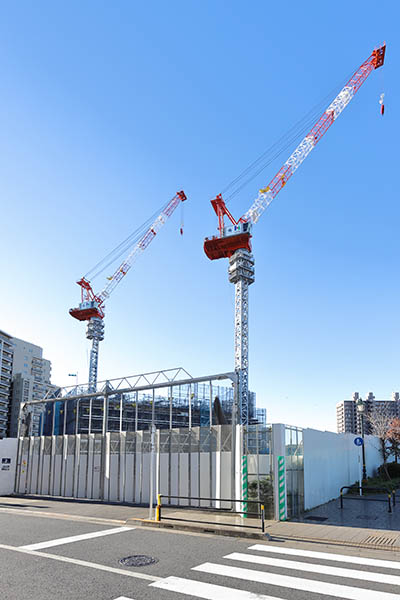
x=48, y=558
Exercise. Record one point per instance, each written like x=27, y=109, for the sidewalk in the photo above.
x=360, y=524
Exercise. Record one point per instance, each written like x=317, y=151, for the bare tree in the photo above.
x=394, y=438
x=380, y=425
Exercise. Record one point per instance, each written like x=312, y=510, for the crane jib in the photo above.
x=270, y=191
x=91, y=304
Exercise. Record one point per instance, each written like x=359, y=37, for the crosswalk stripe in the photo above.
x=372, y=562
x=315, y=568
x=208, y=591
x=296, y=583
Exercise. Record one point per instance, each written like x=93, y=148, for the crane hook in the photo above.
x=381, y=102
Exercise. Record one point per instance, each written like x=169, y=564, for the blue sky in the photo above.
x=109, y=108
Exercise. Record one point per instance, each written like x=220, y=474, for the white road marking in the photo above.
x=315, y=568
x=63, y=516
x=76, y=538
x=123, y=598
x=359, y=560
x=81, y=563
x=208, y=591
x=296, y=583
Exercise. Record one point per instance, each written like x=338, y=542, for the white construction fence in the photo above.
x=288, y=468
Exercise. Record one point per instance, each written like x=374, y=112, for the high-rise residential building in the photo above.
x=31, y=380
x=6, y=362
x=348, y=418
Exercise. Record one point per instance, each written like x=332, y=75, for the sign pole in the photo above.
x=358, y=441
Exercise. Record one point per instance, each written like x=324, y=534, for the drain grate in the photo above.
x=366, y=518
x=138, y=560
x=380, y=540
x=316, y=518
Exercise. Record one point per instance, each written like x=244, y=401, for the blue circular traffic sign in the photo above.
x=358, y=441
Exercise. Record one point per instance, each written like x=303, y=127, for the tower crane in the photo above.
x=233, y=240
x=91, y=307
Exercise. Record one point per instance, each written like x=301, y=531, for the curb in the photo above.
x=294, y=538
x=197, y=528
x=267, y=536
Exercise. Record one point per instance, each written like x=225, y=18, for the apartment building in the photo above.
x=6, y=362
x=348, y=418
x=31, y=380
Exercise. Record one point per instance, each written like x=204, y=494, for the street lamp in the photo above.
x=77, y=402
x=361, y=410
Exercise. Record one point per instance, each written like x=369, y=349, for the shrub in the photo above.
x=393, y=470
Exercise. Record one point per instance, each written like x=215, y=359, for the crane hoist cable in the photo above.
x=123, y=246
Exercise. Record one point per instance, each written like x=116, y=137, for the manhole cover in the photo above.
x=316, y=518
x=137, y=560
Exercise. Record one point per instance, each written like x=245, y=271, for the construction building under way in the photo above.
x=200, y=403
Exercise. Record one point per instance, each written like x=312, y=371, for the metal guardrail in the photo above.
x=391, y=495
x=260, y=514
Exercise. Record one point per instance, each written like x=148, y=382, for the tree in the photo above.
x=394, y=438
x=380, y=425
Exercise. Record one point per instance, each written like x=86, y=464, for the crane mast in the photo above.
x=91, y=307
x=233, y=241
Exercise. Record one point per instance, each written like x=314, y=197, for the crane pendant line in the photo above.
x=234, y=239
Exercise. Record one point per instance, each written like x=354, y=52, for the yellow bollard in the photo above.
x=158, y=508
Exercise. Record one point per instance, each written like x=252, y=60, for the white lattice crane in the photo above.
x=91, y=307
x=233, y=241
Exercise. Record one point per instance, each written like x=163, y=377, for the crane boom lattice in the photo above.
x=336, y=107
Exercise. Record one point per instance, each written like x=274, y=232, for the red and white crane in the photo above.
x=91, y=307
x=233, y=241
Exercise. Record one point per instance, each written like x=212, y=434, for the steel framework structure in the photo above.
x=241, y=273
x=181, y=392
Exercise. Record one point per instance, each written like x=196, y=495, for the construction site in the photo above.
x=168, y=432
